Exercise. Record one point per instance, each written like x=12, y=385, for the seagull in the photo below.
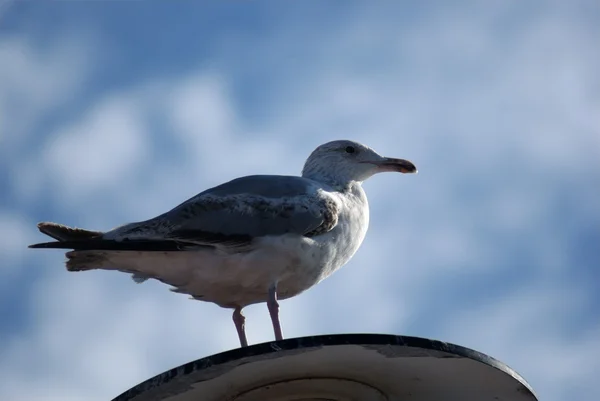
x=258, y=238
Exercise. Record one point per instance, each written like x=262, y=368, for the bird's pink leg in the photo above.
x=240, y=323
x=273, y=306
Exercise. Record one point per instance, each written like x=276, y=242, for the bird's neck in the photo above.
x=337, y=183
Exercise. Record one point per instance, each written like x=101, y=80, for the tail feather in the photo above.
x=80, y=239
x=60, y=232
x=90, y=244
x=99, y=244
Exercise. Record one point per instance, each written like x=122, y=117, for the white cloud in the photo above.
x=107, y=146
x=15, y=230
x=36, y=83
x=201, y=112
x=37, y=80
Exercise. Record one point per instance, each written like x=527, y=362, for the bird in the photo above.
x=254, y=239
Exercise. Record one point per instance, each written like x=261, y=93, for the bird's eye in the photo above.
x=350, y=149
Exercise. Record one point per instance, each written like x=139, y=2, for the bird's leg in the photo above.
x=273, y=306
x=240, y=323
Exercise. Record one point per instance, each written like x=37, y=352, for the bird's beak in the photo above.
x=398, y=165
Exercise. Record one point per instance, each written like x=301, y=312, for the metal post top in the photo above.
x=343, y=367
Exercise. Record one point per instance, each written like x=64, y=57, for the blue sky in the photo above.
x=117, y=111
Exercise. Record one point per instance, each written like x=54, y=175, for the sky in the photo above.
x=113, y=112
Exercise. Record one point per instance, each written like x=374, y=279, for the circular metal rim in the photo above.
x=319, y=341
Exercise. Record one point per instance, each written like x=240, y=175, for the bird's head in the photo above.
x=343, y=161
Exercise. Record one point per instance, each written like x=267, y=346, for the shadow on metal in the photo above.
x=344, y=367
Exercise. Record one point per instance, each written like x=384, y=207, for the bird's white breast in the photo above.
x=343, y=241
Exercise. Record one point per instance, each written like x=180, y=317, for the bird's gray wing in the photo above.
x=234, y=213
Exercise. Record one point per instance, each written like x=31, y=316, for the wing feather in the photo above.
x=234, y=213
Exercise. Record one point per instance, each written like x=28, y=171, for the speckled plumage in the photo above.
x=253, y=239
